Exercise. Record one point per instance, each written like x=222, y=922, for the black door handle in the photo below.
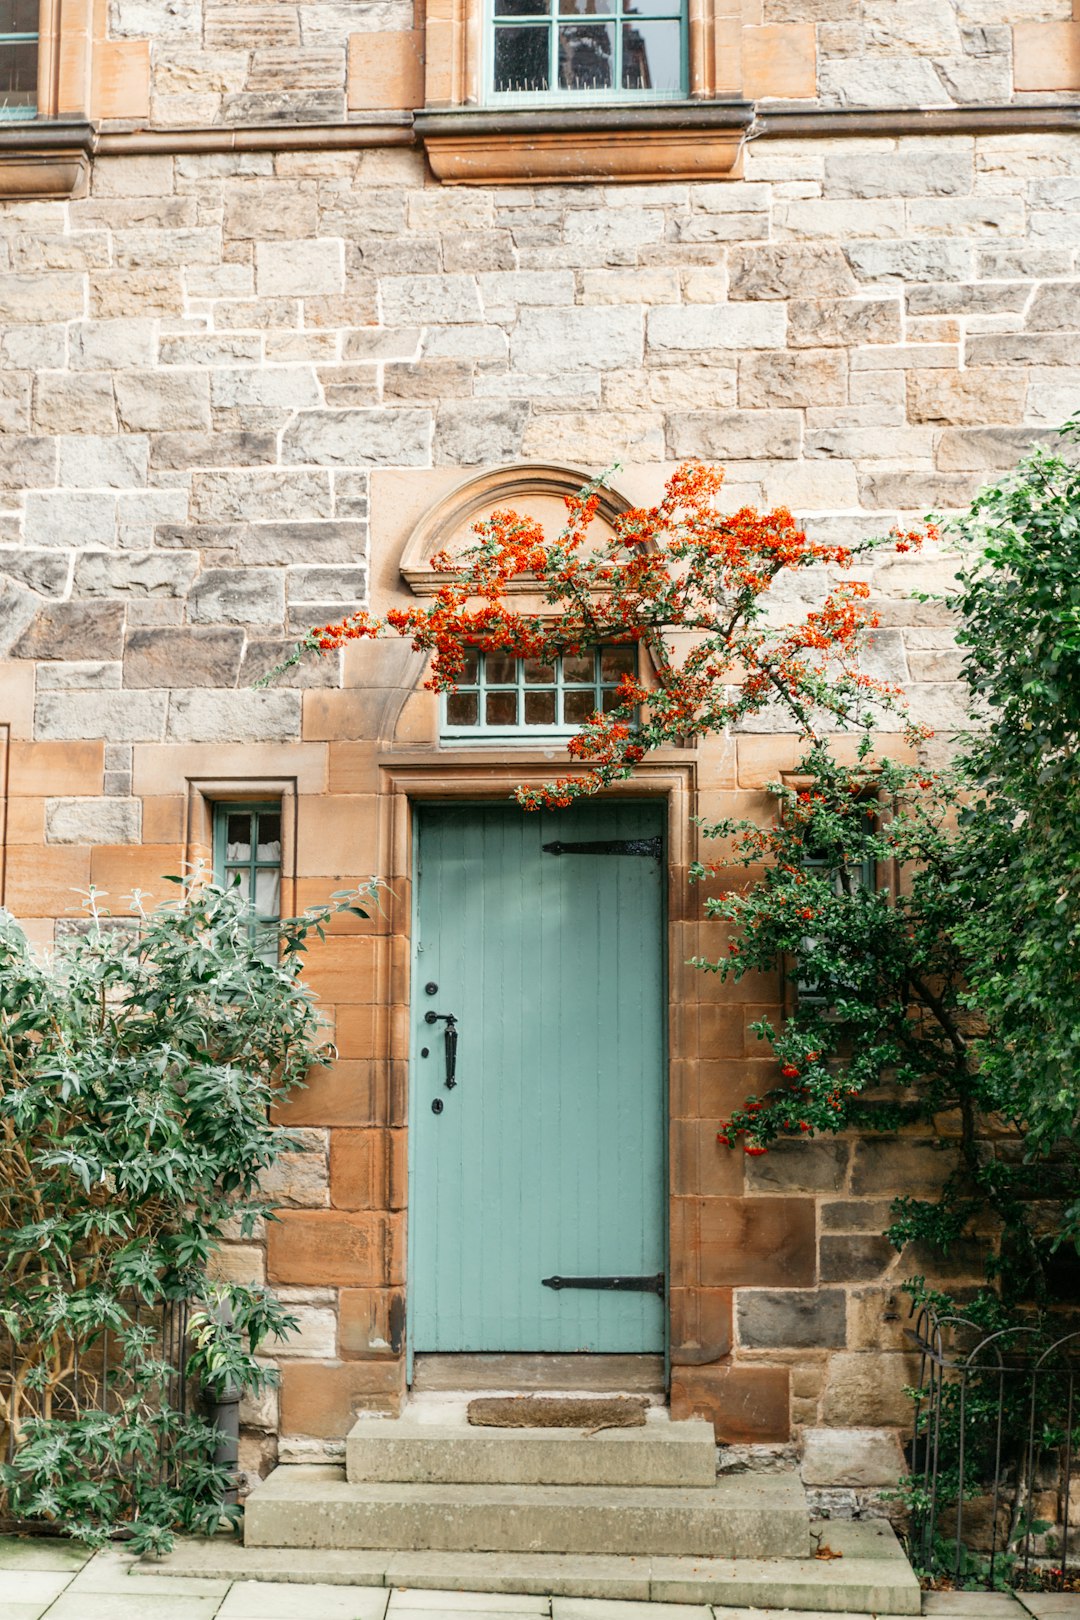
x=450, y=1040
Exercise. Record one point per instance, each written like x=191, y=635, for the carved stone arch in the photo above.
x=537, y=487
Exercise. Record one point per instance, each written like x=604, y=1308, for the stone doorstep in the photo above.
x=873, y=1576
x=418, y=1450
x=762, y=1514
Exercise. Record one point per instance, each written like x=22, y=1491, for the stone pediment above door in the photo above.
x=537, y=490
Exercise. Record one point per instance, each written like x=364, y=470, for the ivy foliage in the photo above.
x=929, y=922
x=138, y=1065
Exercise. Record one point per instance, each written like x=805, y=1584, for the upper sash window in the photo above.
x=18, y=58
x=595, y=50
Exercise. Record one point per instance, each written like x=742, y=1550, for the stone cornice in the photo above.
x=45, y=159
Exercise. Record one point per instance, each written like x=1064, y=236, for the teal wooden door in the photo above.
x=547, y=1157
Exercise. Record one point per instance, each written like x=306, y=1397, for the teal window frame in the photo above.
x=225, y=869
x=521, y=731
x=666, y=11
x=19, y=112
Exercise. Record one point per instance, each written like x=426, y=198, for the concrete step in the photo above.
x=762, y=1516
x=412, y=1450
x=872, y=1577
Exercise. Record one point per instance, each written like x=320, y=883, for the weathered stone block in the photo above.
x=735, y=435
x=746, y=1405
x=182, y=451
x=345, y=585
x=371, y=1323
x=857, y=1458
x=74, y=630
x=803, y=377
x=860, y=1258
x=37, y=298
x=238, y=596
x=715, y=326
x=330, y=542
x=74, y=402
x=229, y=717
x=469, y=432
x=868, y=1388
x=361, y=1248
x=818, y=270
x=843, y=322
x=981, y=397
x=910, y=261
x=163, y=657
x=251, y=495
x=359, y=438
x=791, y=1319
x=927, y=173
x=43, y=571
x=93, y=821
x=732, y=1242
x=894, y=1164
x=27, y=462
x=117, y=462
x=64, y=518
x=163, y=400
x=127, y=573
x=547, y=341
x=300, y=268
x=119, y=716
x=985, y=450
x=817, y=1166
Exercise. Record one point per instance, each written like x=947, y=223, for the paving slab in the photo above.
x=975, y=1605
x=224, y=1558
x=404, y=1600
x=24, y=1611
x=42, y=1552
x=1051, y=1605
x=599, y=1609
x=112, y=1570
x=121, y=1606
x=31, y=1585
x=270, y=1600
x=791, y=1614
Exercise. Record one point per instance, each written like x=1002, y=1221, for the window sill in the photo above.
x=659, y=141
x=44, y=159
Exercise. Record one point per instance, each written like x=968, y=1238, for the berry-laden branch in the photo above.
x=686, y=580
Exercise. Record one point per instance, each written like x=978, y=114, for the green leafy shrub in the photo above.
x=137, y=1069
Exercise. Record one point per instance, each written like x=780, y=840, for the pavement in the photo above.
x=46, y=1579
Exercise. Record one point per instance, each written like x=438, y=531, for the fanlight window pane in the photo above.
x=501, y=696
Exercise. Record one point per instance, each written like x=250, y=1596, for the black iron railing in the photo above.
x=994, y=1488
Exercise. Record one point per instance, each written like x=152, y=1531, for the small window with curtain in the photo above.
x=247, y=854
x=499, y=696
x=587, y=50
x=18, y=58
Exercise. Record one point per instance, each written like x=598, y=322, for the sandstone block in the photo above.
x=93, y=821
x=734, y=435
x=386, y=69
x=251, y=495
x=1055, y=306
x=843, y=322
x=117, y=716
x=411, y=299
x=979, y=397
x=701, y=1325
x=117, y=462
x=163, y=400
x=41, y=298
x=127, y=573
x=206, y=716
x=883, y=81
x=927, y=173
x=732, y=1242
x=359, y=438
x=329, y=542
x=67, y=518
x=346, y=585
x=72, y=630
x=791, y=1318
x=324, y=1398
x=181, y=451
x=112, y=345
x=910, y=261
x=469, y=432
x=75, y=402
x=43, y=571
x=359, y=1248
x=987, y=449
x=746, y=1405
x=371, y=1323
x=798, y=270
x=925, y=491
x=808, y=377
x=1021, y=349
x=506, y=290
x=815, y=1166
x=715, y=326
x=1046, y=55
x=969, y=298
x=280, y=388
x=300, y=269
x=367, y=1169
x=27, y=462
x=238, y=596
x=860, y=1258
x=900, y=1165
x=162, y=657
x=315, y=1334
x=298, y=1180
x=857, y=1458
x=547, y=341
x=866, y=1388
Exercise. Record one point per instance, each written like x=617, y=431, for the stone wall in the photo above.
x=230, y=384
